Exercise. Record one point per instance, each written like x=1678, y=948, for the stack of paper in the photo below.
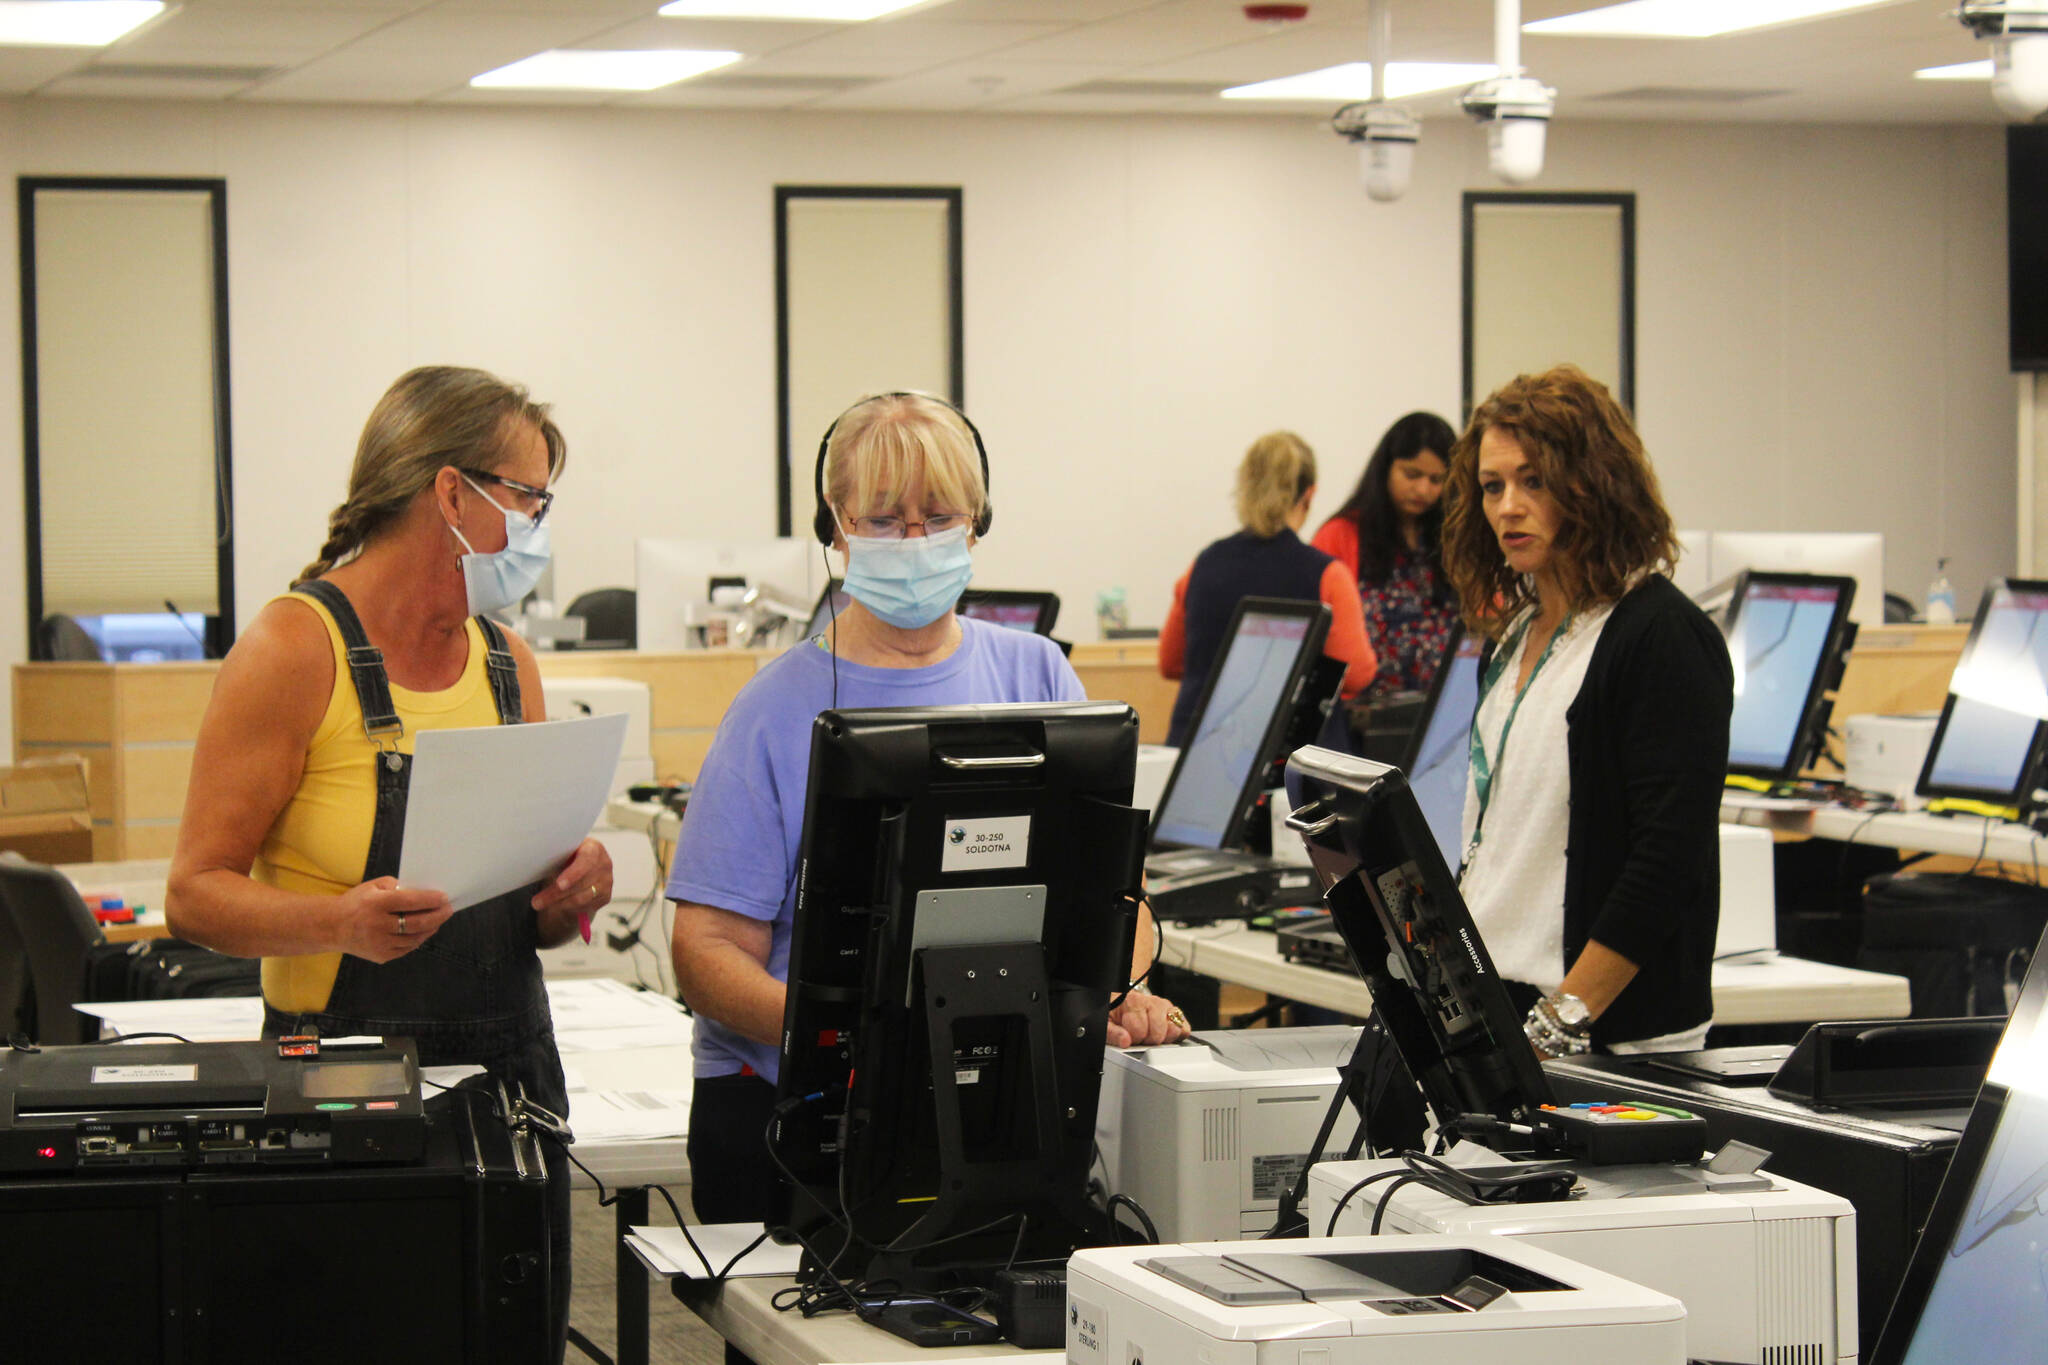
x=667, y=1253
x=599, y=1014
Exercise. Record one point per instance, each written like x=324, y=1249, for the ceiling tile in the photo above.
x=22, y=69
x=755, y=38
x=1158, y=33
x=911, y=44
x=280, y=37
x=87, y=85
x=964, y=85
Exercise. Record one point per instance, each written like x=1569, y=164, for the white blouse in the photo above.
x=1514, y=880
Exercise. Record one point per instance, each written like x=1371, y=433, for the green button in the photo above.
x=334, y=1105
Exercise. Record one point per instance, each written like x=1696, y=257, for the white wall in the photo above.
x=1820, y=314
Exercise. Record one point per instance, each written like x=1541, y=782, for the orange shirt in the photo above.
x=1346, y=641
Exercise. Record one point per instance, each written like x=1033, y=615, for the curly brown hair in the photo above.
x=1592, y=462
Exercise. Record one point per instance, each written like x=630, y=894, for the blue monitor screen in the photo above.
x=2000, y=696
x=1249, y=688
x=1444, y=757
x=1977, y=1286
x=1780, y=643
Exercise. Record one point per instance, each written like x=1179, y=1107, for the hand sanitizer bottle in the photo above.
x=1941, y=597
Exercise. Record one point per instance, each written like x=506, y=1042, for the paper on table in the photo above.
x=203, y=1020
x=666, y=1253
x=629, y=1115
x=499, y=807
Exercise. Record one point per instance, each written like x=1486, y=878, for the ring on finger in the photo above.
x=401, y=923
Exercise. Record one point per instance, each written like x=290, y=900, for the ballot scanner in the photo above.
x=1766, y=1267
x=1461, y=1300
x=1208, y=1134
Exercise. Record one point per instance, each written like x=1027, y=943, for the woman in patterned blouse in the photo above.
x=1389, y=533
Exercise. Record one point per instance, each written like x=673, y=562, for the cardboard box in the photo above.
x=44, y=814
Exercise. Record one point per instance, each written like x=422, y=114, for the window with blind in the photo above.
x=1549, y=278
x=868, y=299
x=124, y=344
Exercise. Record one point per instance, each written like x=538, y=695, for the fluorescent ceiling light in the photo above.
x=833, y=11
x=71, y=23
x=1353, y=81
x=1691, y=18
x=584, y=69
x=1961, y=71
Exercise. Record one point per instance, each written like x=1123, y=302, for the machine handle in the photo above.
x=1306, y=821
x=992, y=761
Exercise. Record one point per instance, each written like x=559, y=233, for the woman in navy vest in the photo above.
x=1266, y=558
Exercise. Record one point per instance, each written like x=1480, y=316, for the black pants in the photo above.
x=731, y=1178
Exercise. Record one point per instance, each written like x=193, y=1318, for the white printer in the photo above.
x=1766, y=1268
x=573, y=698
x=1883, y=753
x=1207, y=1135
x=1471, y=1300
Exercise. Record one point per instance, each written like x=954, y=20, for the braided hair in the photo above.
x=434, y=416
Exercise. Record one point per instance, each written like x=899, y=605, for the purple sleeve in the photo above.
x=732, y=852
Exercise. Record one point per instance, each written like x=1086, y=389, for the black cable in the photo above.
x=1117, y=1201
x=1330, y=1229
x=1379, y=1214
x=588, y=1347
x=1158, y=946
x=131, y=1037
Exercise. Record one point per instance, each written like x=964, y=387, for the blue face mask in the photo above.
x=910, y=582
x=502, y=578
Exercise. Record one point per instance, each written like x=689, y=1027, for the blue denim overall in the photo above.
x=472, y=993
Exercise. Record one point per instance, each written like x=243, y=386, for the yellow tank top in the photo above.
x=319, y=841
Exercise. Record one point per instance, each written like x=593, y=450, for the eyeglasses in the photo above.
x=895, y=528
x=540, y=500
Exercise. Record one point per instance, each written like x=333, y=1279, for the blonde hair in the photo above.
x=881, y=445
x=434, y=416
x=1271, y=479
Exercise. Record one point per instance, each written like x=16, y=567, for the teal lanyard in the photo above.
x=1483, y=770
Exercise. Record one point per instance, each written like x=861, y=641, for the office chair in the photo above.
x=65, y=641
x=611, y=619
x=1898, y=610
x=13, y=978
x=57, y=932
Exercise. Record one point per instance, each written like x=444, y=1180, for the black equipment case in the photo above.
x=443, y=1260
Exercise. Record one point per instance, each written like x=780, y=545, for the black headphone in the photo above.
x=825, y=526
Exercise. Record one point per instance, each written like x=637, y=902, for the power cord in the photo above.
x=1520, y=1187
x=1124, y=1201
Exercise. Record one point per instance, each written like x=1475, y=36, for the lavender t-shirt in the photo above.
x=738, y=848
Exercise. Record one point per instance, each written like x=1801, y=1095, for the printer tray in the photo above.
x=444, y=1260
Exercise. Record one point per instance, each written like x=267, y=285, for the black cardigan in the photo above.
x=1648, y=751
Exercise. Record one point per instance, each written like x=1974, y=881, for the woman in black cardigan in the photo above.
x=1592, y=860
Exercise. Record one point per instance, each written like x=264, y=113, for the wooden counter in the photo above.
x=136, y=723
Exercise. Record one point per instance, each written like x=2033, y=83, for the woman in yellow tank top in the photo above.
x=289, y=846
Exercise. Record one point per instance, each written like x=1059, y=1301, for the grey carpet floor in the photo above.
x=675, y=1335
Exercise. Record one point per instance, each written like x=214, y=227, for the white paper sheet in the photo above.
x=629, y=1115
x=666, y=1253
x=219, y=1019
x=499, y=807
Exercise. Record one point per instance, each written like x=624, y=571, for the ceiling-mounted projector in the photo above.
x=2018, y=32
x=1386, y=139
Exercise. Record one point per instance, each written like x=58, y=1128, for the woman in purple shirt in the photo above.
x=905, y=499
